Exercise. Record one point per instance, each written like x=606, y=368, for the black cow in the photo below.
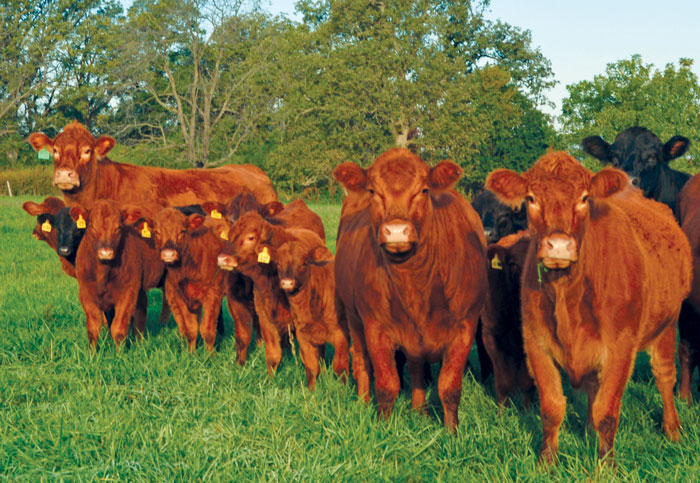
x=499, y=220
x=639, y=153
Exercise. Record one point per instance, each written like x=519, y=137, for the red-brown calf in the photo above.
x=85, y=174
x=410, y=275
x=114, y=267
x=604, y=278
x=306, y=275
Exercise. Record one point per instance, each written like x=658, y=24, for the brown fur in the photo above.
x=250, y=234
x=623, y=294
x=76, y=150
x=120, y=283
x=426, y=300
x=309, y=267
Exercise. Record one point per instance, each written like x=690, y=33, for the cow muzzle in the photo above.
x=105, y=253
x=64, y=250
x=66, y=179
x=397, y=236
x=558, y=251
x=168, y=255
x=288, y=284
x=227, y=262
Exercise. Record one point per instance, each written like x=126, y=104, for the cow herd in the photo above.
x=553, y=270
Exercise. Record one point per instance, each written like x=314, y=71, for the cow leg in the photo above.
x=503, y=369
x=485, y=364
x=94, y=317
x=211, y=309
x=185, y=320
x=415, y=370
x=454, y=360
x=552, y=400
x=358, y=350
x=591, y=384
x=386, y=378
x=140, y=313
x=663, y=366
x=243, y=325
x=686, y=321
x=269, y=332
x=606, y=407
x=340, y=357
x=526, y=384
x=164, y=310
x=123, y=311
x=309, y=356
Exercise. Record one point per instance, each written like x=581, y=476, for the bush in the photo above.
x=34, y=180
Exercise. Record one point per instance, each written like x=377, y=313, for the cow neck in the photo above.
x=103, y=270
x=87, y=194
x=198, y=258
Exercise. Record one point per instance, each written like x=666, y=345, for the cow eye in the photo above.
x=425, y=191
x=251, y=237
x=370, y=191
x=530, y=199
x=585, y=198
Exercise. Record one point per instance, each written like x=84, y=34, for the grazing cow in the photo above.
x=604, y=278
x=689, y=320
x=502, y=332
x=248, y=251
x=55, y=226
x=115, y=267
x=306, y=275
x=85, y=174
x=194, y=285
x=410, y=275
x=639, y=153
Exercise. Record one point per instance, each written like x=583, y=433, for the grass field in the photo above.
x=156, y=412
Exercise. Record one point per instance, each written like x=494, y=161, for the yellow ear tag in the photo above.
x=81, y=222
x=46, y=226
x=145, y=232
x=224, y=235
x=496, y=263
x=264, y=256
x=215, y=214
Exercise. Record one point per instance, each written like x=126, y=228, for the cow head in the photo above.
x=401, y=189
x=75, y=153
x=558, y=192
x=170, y=228
x=248, y=238
x=45, y=212
x=245, y=202
x=104, y=226
x=499, y=220
x=293, y=260
x=639, y=153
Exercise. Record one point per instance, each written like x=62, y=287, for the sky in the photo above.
x=581, y=37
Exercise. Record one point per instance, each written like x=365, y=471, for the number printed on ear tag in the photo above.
x=46, y=226
x=496, y=263
x=145, y=232
x=215, y=214
x=264, y=256
x=81, y=222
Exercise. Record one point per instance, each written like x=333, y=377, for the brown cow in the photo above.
x=306, y=275
x=689, y=320
x=85, y=174
x=248, y=251
x=410, y=275
x=194, y=285
x=115, y=267
x=502, y=332
x=604, y=278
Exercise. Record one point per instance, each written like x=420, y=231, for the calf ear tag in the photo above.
x=215, y=214
x=80, y=223
x=264, y=256
x=44, y=154
x=145, y=232
x=46, y=226
x=224, y=235
x=496, y=263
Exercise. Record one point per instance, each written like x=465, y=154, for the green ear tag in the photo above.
x=44, y=154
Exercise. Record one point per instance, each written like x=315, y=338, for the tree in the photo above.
x=204, y=63
x=434, y=76
x=632, y=93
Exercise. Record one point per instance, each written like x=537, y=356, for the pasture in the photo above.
x=153, y=411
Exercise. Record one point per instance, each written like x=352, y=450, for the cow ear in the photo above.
x=77, y=212
x=271, y=209
x=213, y=208
x=131, y=215
x=194, y=221
x=39, y=141
x=444, y=175
x=596, y=147
x=103, y=145
x=496, y=255
x=607, y=182
x=675, y=147
x=351, y=176
x=508, y=186
x=320, y=256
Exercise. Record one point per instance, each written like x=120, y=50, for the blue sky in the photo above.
x=581, y=37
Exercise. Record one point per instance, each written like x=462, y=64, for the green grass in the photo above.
x=156, y=412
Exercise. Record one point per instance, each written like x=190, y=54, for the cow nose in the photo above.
x=397, y=231
x=635, y=181
x=66, y=179
x=105, y=253
x=490, y=235
x=64, y=251
x=558, y=251
x=287, y=284
x=226, y=262
x=168, y=255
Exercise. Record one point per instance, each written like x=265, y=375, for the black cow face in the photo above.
x=639, y=153
x=499, y=220
x=68, y=235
